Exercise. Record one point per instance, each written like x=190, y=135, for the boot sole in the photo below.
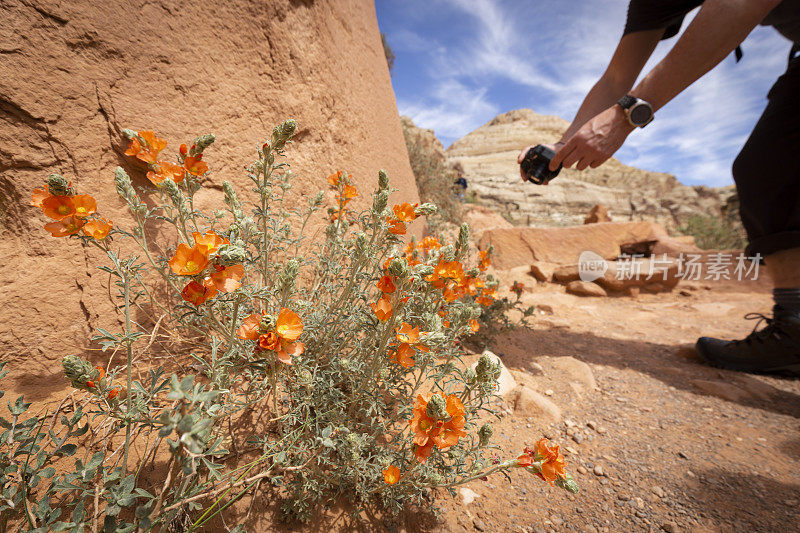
x=790, y=369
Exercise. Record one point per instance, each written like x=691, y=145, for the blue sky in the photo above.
x=462, y=62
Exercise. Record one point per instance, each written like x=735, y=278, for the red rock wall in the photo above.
x=74, y=73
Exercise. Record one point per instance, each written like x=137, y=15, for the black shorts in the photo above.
x=767, y=170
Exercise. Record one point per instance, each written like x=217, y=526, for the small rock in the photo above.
x=598, y=470
x=601, y=430
x=682, y=455
x=582, y=470
x=569, y=423
x=549, y=392
x=571, y=450
x=531, y=403
x=583, y=288
x=658, y=491
x=591, y=424
x=478, y=524
x=468, y=495
x=577, y=438
x=670, y=527
x=639, y=502
x=623, y=497
x=543, y=271
x=536, y=369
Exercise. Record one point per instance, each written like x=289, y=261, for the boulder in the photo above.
x=525, y=246
x=481, y=218
x=599, y=213
x=530, y=403
x=543, y=271
x=573, y=370
x=649, y=274
x=584, y=288
x=234, y=69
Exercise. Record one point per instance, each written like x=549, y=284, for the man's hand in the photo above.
x=596, y=141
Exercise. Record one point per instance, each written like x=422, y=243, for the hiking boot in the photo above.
x=774, y=349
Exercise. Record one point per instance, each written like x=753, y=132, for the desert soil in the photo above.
x=663, y=442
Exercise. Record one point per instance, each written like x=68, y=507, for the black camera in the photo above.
x=536, y=165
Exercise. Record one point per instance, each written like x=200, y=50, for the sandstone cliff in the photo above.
x=488, y=156
x=73, y=74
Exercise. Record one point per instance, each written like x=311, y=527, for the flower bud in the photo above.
x=423, y=270
x=426, y=209
x=288, y=275
x=231, y=199
x=398, y=268
x=126, y=191
x=316, y=201
x=568, y=484
x=230, y=254
x=383, y=180
x=380, y=201
x=448, y=252
x=76, y=369
x=469, y=376
x=58, y=185
x=175, y=194
x=268, y=323
x=473, y=272
x=282, y=133
x=305, y=379
x=129, y=134
x=361, y=243
x=201, y=143
x=487, y=371
x=462, y=243
x=484, y=434
x=437, y=408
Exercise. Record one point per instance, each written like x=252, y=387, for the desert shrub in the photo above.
x=714, y=232
x=388, y=52
x=435, y=179
x=330, y=369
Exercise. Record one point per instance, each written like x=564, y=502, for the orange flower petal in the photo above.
x=188, y=261
x=249, y=328
x=58, y=207
x=288, y=326
x=63, y=228
x=391, y=475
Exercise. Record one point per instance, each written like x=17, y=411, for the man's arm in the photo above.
x=629, y=58
x=718, y=28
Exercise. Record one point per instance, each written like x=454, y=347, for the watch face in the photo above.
x=641, y=114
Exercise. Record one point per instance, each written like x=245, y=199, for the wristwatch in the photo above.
x=638, y=112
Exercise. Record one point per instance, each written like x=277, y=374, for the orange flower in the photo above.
x=165, y=170
x=443, y=432
x=288, y=326
x=334, y=178
x=404, y=356
x=90, y=384
x=58, y=207
x=62, y=228
x=38, y=196
x=209, y=242
x=184, y=150
x=101, y=370
x=474, y=326
x=348, y=194
x=289, y=349
x=113, y=393
x=485, y=260
x=386, y=285
x=197, y=293
x=195, y=166
x=226, y=279
x=188, y=261
x=85, y=205
x=430, y=243
x=268, y=341
x=152, y=146
x=407, y=334
x=391, y=474
x=98, y=228
x=553, y=465
x=396, y=227
x=382, y=309
x=404, y=212
x=250, y=326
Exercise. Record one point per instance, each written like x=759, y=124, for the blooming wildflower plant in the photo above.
x=350, y=346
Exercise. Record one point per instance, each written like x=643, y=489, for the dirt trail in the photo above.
x=676, y=445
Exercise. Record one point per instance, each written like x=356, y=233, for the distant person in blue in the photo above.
x=461, y=183
x=766, y=171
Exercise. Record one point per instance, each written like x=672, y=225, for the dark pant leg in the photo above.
x=767, y=171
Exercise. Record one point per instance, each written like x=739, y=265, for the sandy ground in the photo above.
x=677, y=445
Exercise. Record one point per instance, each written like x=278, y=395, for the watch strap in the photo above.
x=626, y=101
